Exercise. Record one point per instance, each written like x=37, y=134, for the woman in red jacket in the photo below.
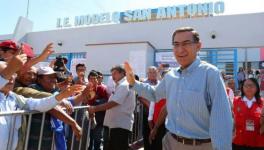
x=247, y=113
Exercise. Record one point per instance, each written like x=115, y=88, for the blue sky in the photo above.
x=44, y=13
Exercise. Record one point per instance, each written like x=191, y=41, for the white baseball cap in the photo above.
x=45, y=71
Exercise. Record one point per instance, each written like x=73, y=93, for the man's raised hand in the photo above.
x=129, y=74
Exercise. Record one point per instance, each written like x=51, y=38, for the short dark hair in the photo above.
x=196, y=37
x=99, y=73
x=79, y=65
x=92, y=74
x=118, y=68
x=257, y=94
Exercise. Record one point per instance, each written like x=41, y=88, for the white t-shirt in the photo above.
x=122, y=115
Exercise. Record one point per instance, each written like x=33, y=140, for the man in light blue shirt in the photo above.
x=197, y=103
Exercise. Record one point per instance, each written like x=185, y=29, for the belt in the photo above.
x=187, y=141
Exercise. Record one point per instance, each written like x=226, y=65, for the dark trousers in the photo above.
x=157, y=142
x=96, y=136
x=146, y=129
x=116, y=138
x=239, y=147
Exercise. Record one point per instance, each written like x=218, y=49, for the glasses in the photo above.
x=185, y=44
x=249, y=85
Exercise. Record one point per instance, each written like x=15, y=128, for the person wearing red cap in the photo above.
x=8, y=49
x=11, y=53
x=9, y=101
x=10, y=68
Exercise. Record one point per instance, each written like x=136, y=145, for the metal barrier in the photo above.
x=15, y=115
x=137, y=133
x=80, y=115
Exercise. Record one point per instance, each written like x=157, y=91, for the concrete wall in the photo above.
x=103, y=57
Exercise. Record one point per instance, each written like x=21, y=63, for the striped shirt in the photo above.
x=188, y=92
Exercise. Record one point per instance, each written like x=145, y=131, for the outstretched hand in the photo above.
x=18, y=61
x=70, y=91
x=89, y=92
x=46, y=52
x=67, y=105
x=14, y=65
x=129, y=74
x=91, y=110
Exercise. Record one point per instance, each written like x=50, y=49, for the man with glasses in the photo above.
x=197, y=103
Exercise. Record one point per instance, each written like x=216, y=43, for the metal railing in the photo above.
x=14, y=115
x=137, y=133
x=80, y=115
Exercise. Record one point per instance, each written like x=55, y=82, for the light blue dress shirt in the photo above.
x=188, y=92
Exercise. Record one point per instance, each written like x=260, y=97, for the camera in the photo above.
x=59, y=63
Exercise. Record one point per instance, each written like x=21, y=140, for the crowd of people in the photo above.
x=184, y=107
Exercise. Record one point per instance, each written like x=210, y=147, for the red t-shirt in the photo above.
x=157, y=109
x=101, y=93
